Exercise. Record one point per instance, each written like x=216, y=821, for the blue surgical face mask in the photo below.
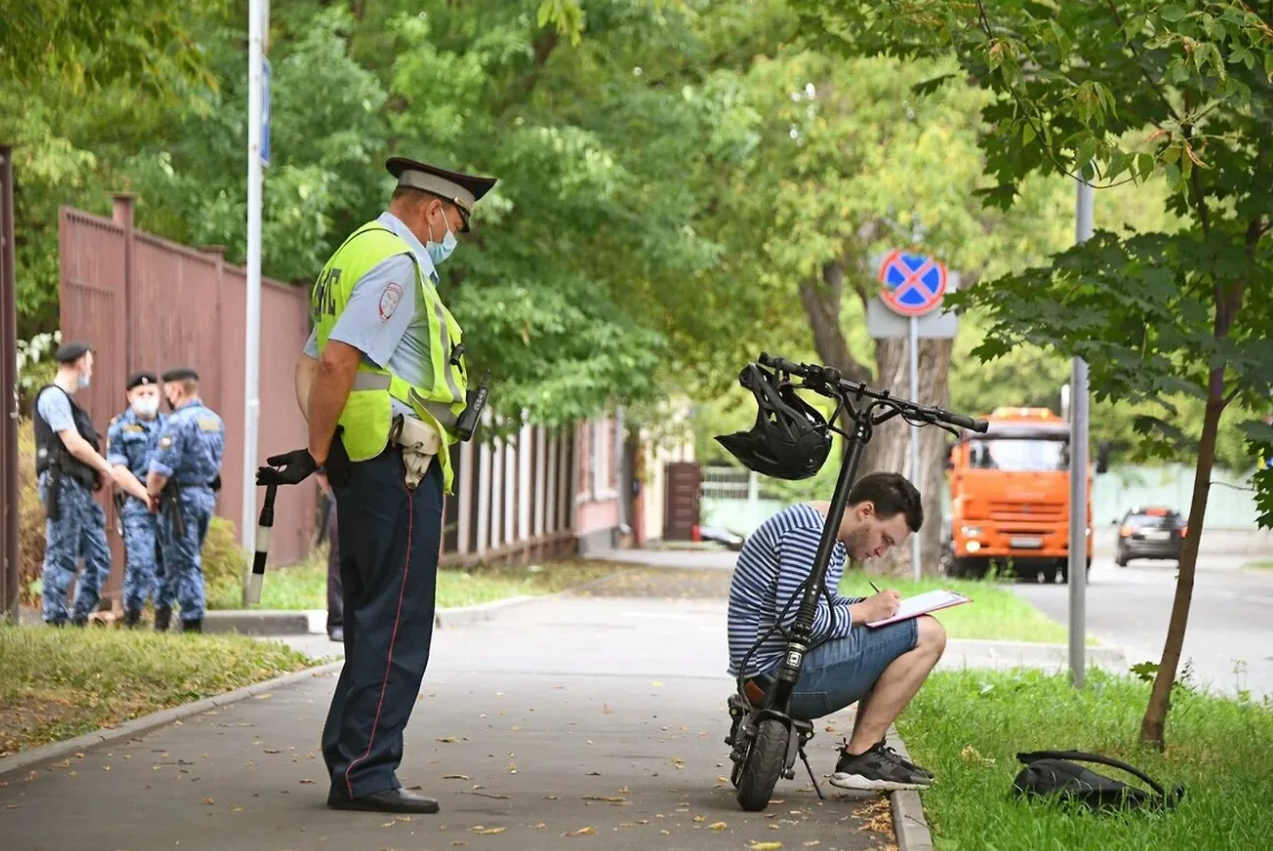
x=439, y=252
x=83, y=381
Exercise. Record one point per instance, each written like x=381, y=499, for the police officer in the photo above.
x=131, y=440
x=184, y=476
x=381, y=382
x=70, y=468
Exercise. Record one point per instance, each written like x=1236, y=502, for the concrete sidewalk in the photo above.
x=592, y=723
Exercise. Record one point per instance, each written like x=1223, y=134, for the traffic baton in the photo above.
x=263, y=526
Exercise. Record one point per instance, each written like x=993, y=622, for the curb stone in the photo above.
x=909, y=823
x=19, y=762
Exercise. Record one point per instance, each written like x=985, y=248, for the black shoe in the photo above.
x=79, y=621
x=387, y=801
x=132, y=618
x=903, y=761
x=163, y=616
x=192, y=625
x=336, y=633
x=875, y=771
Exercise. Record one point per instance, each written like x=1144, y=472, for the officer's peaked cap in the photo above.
x=462, y=190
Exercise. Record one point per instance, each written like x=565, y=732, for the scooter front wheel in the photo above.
x=763, y=765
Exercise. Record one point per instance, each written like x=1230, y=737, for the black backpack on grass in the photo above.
x=1050, y=774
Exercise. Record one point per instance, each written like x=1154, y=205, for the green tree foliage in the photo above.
x=1120, y=92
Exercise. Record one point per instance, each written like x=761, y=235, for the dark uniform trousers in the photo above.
x=389, y=538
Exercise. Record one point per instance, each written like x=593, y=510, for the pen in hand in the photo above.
x=872, y=584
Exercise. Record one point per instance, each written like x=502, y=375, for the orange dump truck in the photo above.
x=1010, y=498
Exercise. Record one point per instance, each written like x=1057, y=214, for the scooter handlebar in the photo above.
x=805, y=370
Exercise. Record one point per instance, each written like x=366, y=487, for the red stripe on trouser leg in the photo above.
x=397, y=619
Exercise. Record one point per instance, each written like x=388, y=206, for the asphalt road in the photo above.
x=1229, y=637
x=575, y=723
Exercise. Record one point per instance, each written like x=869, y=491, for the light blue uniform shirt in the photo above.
x=386, y=319
x=55, y=407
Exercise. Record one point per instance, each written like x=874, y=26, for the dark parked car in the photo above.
x=1150, y=532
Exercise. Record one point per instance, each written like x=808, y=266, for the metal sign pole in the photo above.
x=1084, y=202
x=915, y=477
x=252, y=333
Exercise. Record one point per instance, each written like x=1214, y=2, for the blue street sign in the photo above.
x=912, y=284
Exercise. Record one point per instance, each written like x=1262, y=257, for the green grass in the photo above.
x=304, y=586
x=968, y=726
x=59, y=683
x=995, y=613
x=1265, y=564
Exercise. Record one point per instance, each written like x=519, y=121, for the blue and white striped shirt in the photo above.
x=776, y=558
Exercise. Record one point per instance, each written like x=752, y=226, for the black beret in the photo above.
x=462, y=190
x=68, y=352
x=180, y=373
x=141, y=378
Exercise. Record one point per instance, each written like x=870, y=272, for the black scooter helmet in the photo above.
x=790, y=439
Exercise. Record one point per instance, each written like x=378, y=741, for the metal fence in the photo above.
x=147, y=303
x=514, y=498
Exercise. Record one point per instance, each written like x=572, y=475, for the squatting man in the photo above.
x=880, y=669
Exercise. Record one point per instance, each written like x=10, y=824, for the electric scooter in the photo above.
x=765, y=739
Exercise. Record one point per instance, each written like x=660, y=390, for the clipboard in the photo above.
x=922, y=604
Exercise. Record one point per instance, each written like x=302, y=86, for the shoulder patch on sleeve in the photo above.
x=389, y=300
x=209, y=424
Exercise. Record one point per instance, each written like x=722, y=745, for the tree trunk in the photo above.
x=1153, y=725
x=822, y=301
x=890, y=445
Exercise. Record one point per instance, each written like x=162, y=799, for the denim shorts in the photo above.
x=839, y=672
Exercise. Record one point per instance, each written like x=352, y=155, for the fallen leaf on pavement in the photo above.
x=487, y=831
x=208, y=801
x=540, y=826
x=700, y=819
x=609, y=800
x=765, y=846
x=583, y=831
x=272, y=750
x=657, y=684
x=455, y=777
x=458, y=842
x=812, y=842
x=306, y=780
x=720, y=825
x=447, y=739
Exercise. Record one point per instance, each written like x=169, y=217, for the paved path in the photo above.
x=1230, y=621
x=578, y=722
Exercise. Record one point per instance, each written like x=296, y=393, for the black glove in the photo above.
x=297, y=466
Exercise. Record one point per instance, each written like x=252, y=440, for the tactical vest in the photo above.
x=367, y=414
x=50, y=451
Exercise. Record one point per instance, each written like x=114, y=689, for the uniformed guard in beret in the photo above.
x=70, y=468
x=183, y=480
x=389, y=381
x=131, y=441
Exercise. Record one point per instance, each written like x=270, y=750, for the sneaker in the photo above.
x=876, y=771
x=903, y=761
